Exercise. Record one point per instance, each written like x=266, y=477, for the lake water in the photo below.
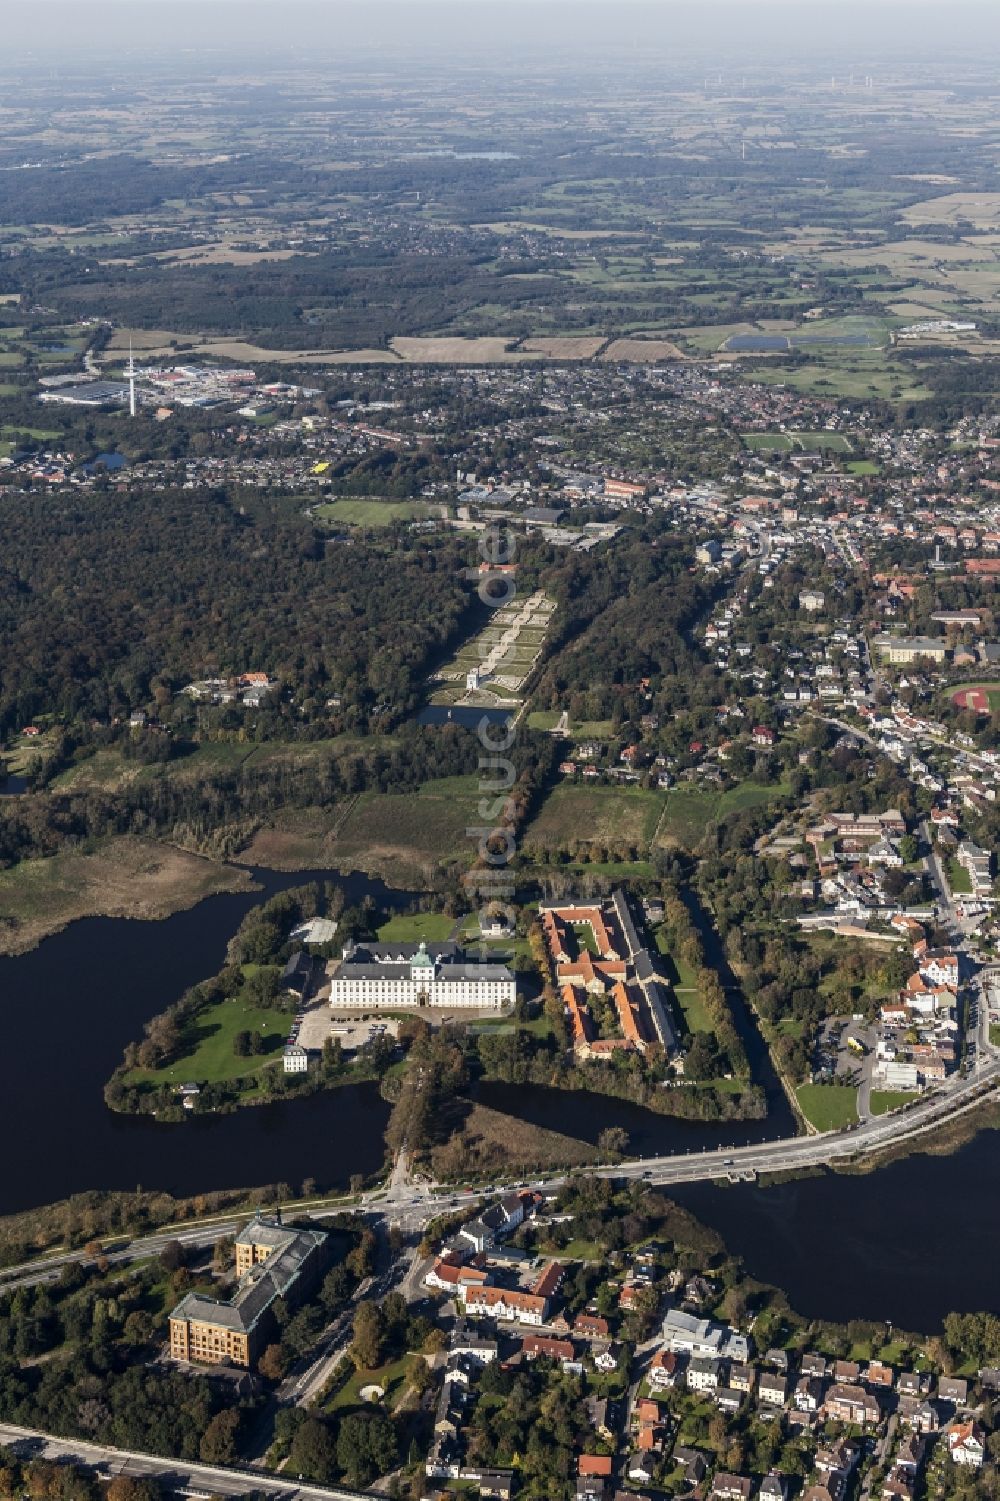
x=908, y=1243
x=68, y=1008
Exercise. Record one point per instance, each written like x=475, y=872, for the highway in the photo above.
x=182, y=1475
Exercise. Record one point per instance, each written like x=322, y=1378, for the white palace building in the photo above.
x=384, y=975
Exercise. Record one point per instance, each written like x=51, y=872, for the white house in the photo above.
x=703, y=1374
x=966, y=1444
x=295, y=1059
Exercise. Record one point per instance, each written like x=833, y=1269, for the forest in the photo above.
x=110, y=603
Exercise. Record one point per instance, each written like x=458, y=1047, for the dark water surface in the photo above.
x=68, y=1008
x=907, y=1244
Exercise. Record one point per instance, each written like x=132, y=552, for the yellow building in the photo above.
x=272, y=1261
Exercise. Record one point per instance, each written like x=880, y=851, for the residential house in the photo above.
x=839, y=1457
x=966, y=1443
x=663, y=1370
x=772, y=1388
x=597, y=1416
x=591, y=1326
x=727, y=1487
x=727, y=1399
x=467, y=1342
x=910, y=1454
x=693, y=1463
x=919, y=1415
x=448, y=1274
x=502, y=1303
x=595, y=1464
x=533, y=1345
x=897, y=1486
x=808, y=1395
x=852, y=1404
x=703, y=1374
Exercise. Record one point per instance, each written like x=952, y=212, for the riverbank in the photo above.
x=943, y=1141
x=137, y=879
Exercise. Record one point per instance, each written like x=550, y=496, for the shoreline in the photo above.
x=81, y=876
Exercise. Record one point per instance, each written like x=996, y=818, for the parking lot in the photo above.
x=834, y=1057
x=352, y=1031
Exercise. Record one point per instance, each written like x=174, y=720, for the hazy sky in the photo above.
x=765, y=28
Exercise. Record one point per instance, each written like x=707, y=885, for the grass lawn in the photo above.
x=958, y=878
x=884, y=1100
x=372, y=513
x=43, y=434
x=414, y=927
x=623, y=870
x=696, y=1018
x=209, y=1056
x=585, y=937
x=394, y=1378
x=579, y=729
x=784, y=442
x=828, y=1106
x=689, y=810
x=608, y=816
x=995, y=1034
x=581, y=1250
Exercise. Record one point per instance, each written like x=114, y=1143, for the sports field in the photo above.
x=981, y=698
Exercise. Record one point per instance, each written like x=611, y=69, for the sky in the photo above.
x=529, y=27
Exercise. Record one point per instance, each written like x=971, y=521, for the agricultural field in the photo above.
x=645, y=351
x=405, y=837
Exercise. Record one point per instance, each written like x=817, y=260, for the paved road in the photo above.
x=413, y=1205
x=178, y=1474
